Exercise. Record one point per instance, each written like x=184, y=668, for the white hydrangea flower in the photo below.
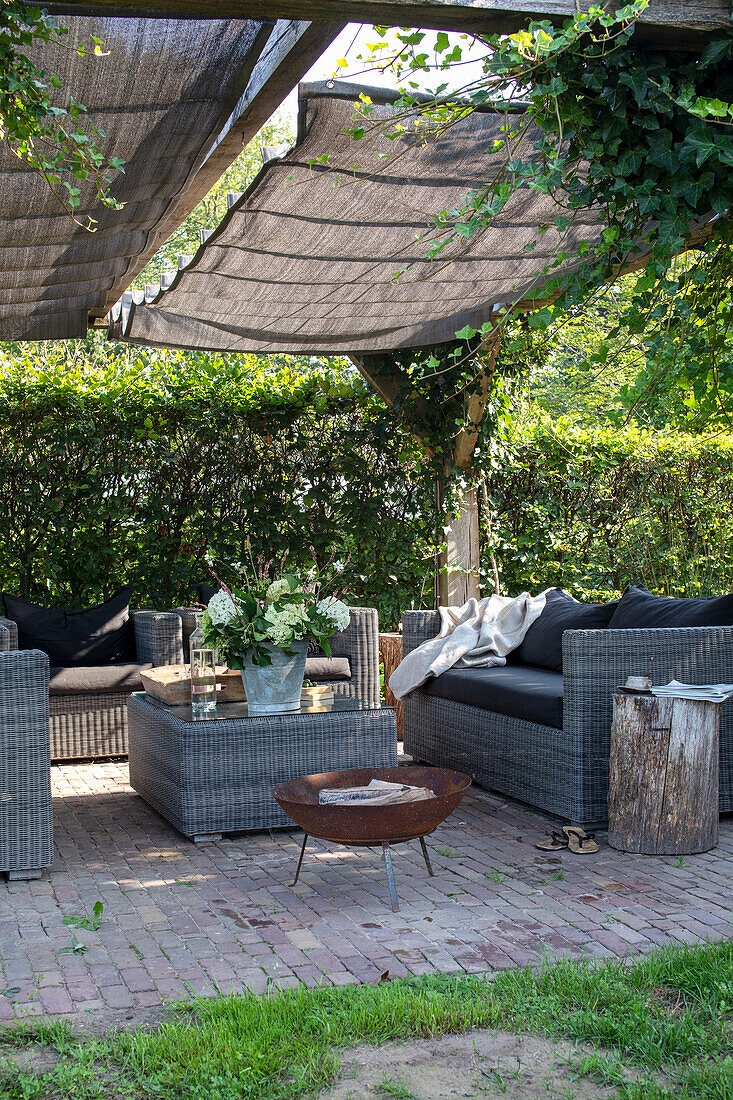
x=281, y=634
x=336, y=611
x=288, y=624
x=277, y=588
x=222, y=608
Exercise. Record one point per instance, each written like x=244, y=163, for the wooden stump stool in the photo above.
x=663, y=787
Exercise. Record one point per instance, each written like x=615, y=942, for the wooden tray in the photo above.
x=171, y=684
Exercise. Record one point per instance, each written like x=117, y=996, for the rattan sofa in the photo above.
x=87, y=724
x=560, y=764
x=26, y=832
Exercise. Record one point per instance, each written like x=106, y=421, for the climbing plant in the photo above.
x=600, y=119
x=41, y=122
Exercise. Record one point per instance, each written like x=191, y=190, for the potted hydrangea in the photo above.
x=264, y=627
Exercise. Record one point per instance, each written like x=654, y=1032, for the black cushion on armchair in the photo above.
x=519, y=691
x=93, y=636
x=205, y=591
x=324, y=669
x=104, y=680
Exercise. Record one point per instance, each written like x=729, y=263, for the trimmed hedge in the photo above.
x=140, y=466
x=596, y=510
x=142, y=470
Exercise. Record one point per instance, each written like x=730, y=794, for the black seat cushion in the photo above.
x=542, y=645
x=639, y=608
x=323, y=669
x=104, y=680
x=519, y=691
x=92, y=636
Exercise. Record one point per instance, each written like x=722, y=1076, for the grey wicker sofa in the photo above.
x=26, y=831
x=547, y=740
x=352, y=669
x=87, y=707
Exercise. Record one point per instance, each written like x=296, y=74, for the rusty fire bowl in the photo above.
x=370, y=825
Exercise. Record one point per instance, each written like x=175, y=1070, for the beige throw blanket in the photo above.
x=477, y=635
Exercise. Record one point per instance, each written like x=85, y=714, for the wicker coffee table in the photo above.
x=214, y=776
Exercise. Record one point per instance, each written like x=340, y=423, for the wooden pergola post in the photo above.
x=458, y=565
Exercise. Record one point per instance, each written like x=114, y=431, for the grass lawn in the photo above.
x=668, y=1016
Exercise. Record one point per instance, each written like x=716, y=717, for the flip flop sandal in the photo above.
x=579, y=842
x=556, y=842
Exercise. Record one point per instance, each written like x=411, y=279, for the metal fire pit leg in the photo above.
x=300, y=860
x=390, y=876
x=428, y=864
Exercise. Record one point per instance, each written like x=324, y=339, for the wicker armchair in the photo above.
x=359, y=641
x=565, y=770
x=26, y=832
x=85, y=725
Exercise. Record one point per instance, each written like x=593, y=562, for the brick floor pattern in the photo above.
x=181, y=919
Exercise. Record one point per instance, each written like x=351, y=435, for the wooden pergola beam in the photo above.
x=382, y=374
x=673, y=23
x=390, y=382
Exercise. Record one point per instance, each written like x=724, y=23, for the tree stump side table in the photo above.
x=663, y=792
x=390, y=650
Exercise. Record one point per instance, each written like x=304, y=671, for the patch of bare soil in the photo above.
x=484, y=1064
x=33, y=1058
x=671, y=1001
x=94, y=1025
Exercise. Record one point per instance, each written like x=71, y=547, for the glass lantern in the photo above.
x=202, y=668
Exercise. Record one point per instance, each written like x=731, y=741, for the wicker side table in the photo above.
x=215, y=776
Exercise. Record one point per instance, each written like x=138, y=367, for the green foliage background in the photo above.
x=120, y=464
x=596, y=509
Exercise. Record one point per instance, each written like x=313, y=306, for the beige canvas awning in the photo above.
x=332, y=256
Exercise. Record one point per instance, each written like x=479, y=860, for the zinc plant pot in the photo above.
x=275, y=688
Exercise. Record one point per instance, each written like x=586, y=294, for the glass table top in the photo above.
x=318, y=702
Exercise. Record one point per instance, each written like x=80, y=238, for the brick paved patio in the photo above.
x=180, y=918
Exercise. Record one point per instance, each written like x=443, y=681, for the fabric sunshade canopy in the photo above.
x=167, y=95
x=306, y=260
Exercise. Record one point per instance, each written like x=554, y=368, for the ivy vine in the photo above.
x=40, y=122
x=642, y=135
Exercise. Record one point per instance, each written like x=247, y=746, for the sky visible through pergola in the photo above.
x=353, y=40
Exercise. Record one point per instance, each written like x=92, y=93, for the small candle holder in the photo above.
x=639, y=683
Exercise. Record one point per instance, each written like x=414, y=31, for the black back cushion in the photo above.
x=84, y=638
x=542, y=645
x=204, y=592
x=639, y=608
